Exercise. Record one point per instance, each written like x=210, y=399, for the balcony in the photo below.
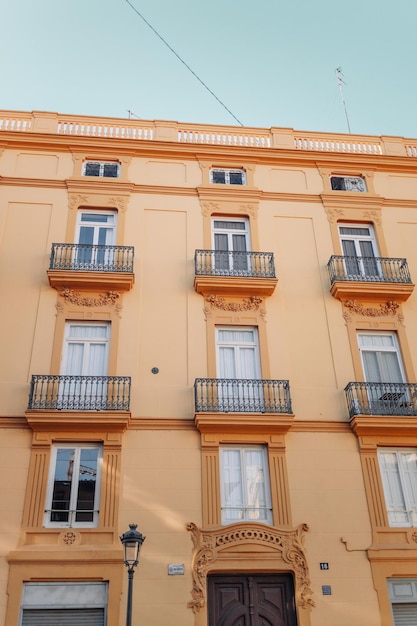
x=229, y=395
x=371, y=277
x=79, y=393
x=234, y=273
x=389, y=399
x=91, y=267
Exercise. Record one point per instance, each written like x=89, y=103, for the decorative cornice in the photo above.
x=74, y=297
x=389, y=308
x=160, y=423
x=210, y=546
x=247, y=304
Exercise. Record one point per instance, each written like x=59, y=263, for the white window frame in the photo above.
x=96, y=253
x=227, y=172
x=225, y=260
x=75, y=469
x=393, y=348
x=102, y=168
x=358, y=237
x=246, y=511
x=87, y=343
x=110, y=225
x=237, y=346
x=360, y=263
x=399, y=485
x=350, y=183
x=90, y=393
x=403, y=597
x=229, y=232
x=47, y=596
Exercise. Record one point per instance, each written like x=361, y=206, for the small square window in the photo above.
x=227, y=177
x=97, y=168
x=348, y=183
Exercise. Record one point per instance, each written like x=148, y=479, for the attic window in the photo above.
x=228, y=177
x=348, y=183
x=100, y=168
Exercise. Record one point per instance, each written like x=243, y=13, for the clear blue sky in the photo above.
x=272, y=62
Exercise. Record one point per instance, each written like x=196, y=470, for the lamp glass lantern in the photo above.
x=132, y=541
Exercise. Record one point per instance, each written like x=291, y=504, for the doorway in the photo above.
x=251, y=600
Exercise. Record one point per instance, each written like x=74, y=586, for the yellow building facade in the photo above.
x=209, y=332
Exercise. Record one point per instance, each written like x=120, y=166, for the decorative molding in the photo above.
x=212, y=546
x=389, y=308
x=249, y=209
x=76, y=199
x=333, y=215
x=73, y=297
x=373, y=216
x=412, y=536
x=207, y=208
x=69, y=538
x=119, y=202
x=247, y=304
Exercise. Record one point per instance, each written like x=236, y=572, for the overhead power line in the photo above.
x=183, y=62
x=339, y=78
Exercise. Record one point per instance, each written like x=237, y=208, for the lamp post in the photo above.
x=132, y=541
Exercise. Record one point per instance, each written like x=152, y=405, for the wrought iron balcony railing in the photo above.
x=230, y=395
x=381, y=398
x=86, y=258
x=80, y=393
x=224, y=263
x=368, y=269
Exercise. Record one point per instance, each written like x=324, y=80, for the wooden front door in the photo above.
x=251, y=600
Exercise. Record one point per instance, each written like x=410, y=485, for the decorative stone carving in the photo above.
x=69, y=538
x=210, y=546
x=74, y=297
x=247, y=304
x=207, y=208
x=118, y=202
x=412, y=538
x=372, y=216
x=249, y=209
x=334, y=214
x=75, y=200
x=389, y=308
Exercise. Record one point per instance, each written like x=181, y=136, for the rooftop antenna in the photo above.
x=131, y=114
x=339, y=77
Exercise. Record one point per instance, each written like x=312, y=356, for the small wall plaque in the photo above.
x=326, y=590
x=175, y=570
x=324, y=566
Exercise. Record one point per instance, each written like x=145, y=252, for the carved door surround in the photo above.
x=248, y=548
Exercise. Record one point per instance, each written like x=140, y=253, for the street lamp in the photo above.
x=132, y=541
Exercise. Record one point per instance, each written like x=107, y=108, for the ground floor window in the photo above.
x=66, y=604
x=403, y=596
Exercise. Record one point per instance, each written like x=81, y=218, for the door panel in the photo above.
x=245, y=600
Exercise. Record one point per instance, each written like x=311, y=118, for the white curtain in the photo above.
x=244, y=491
x=381, y=359
x=399, y=479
